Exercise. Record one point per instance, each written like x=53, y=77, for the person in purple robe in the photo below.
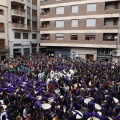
x=117, y=117
x=103, y=116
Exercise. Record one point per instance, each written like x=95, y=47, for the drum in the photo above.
x=97, y=106
x=58, y=106
x=110, y=118
x=36, y=92
x=106, y=96
x=51, y=99
x=61, y=96
x=1, y=101
x=93, y=118
x=100, y=113
x=76, y=84
x=90, y=84
x=79, y=116
x=39, y=97
x=4, y=107
x=64, y=109
x=57, y=90
x=115, y=100
x=87, y=100
x=24, y=83
x=46, y=106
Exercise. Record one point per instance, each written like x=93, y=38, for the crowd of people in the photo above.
x=40, y=87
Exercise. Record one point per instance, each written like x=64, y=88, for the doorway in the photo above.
x=89, y=57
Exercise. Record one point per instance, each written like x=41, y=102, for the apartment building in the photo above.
x=3, y=30
x=23, y=25
x=81, y=28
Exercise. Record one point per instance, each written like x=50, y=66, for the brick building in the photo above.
x=85, y=28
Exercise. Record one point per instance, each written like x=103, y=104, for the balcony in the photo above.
x=28, y=27
x=90, y=36
x=45, y=37
x=45, y=24
x=112, y=5
x=34, y=27
x=111, y=21
x=17, y=13
x=110, y=37
x=45, y=11
x=19, y=26
x=18, y=1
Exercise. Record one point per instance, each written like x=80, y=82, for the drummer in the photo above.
x=71, y=116
x=103, y=116
x=117, y=117
x=98, y=97
x=3, y=114
x=91, y=105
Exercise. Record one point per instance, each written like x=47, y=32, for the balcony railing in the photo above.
x=45, y=37
x=18, y=26
x=28, y=27
x=18, y=12
x=34, y=27
x=18, y=1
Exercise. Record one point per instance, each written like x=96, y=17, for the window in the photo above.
x=2, y=44
x=45, y=11
x=90, y=36
x=60, y=10
x=45, y=37
x=111, y=21
x=25, y=35
x=17, y=35
x=111, y=5
x=34, y=2
x=74, y=36
x=1, y=12
x=34, y=36
x=34, y=12
x=74, y=23
x=34, y=25
x=59, y=24
x=28, y=10
x=46, y=0
x=90, y=22
x=1, y=27
x=17, y=44
x=91, y=7
x=74, y=9
x=110, y=36
x=45, y=24
x=60, y=36
x=28, y=22
x=26, y=51
x=34, y=48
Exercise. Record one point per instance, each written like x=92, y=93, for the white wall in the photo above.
x=12, y=40
x=83, y=51
x=3, y=19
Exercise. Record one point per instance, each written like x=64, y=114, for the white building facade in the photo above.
x=3, y=30
x=23, y=27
